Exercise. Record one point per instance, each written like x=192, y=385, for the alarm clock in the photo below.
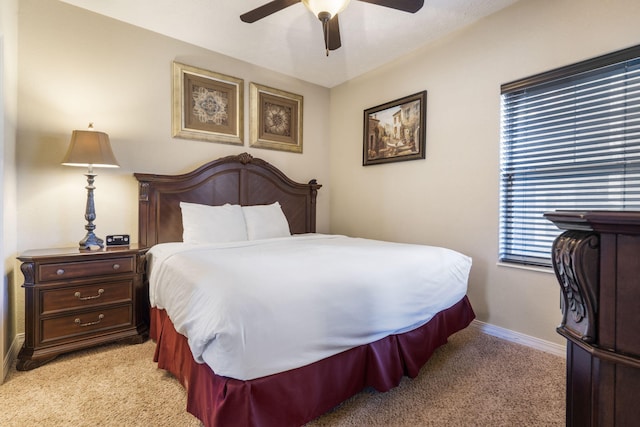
x=118, y=240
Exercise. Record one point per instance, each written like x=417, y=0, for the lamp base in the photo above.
x=90, y=241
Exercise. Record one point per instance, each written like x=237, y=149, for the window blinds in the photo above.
x=570, y=140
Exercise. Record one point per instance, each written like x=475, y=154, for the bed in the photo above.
x=297, y=355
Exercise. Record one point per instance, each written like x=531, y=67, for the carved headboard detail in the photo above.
x=240, y=179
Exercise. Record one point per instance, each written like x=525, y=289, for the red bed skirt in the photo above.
x=295, y=397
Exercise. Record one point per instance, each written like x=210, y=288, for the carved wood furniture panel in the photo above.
x=597, y=263
x=241, y=179
x=77, y=298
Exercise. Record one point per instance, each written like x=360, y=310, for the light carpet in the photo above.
x=474, y=380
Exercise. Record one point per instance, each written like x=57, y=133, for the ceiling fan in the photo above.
x=327, y=12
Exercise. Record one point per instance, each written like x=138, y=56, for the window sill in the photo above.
x=526, y=267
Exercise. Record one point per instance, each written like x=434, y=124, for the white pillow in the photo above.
x=212, y=224
x=265, y=221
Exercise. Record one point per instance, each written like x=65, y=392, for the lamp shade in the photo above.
x=90, y=148
x=333, y=7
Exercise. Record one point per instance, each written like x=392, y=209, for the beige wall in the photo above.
x=8, y=119
x=75, y=67
x=451, y=198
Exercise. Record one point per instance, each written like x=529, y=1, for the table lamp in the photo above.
x=90, y=148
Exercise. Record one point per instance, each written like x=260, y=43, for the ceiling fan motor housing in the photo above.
x=324, y=16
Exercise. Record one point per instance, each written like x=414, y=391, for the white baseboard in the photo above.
x=517, y=337
x=11, y=355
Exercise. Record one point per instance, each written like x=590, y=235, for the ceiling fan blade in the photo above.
x=266, y=10
x=334, y=34
x=411, y=6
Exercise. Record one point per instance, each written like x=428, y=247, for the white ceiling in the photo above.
x=290, y=41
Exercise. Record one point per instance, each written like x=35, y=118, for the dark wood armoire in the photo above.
x=597, y=264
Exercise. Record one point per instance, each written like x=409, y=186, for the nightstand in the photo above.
x=77, y=298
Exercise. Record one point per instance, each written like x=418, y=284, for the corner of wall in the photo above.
x=11, y=355
x=8, y=187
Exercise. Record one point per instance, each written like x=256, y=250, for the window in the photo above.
x=570, y=140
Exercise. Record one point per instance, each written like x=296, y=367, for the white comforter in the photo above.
x=255, y=308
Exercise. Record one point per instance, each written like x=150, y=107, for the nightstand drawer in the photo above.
x=75, y=297
x=71, y=270
x=89, y=322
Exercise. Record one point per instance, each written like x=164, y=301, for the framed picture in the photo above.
x=207, y=106
x=275, y=119
x=395, y=131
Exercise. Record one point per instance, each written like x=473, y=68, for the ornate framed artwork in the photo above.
x=207, y=106
x=395, y=131
x=275, y=119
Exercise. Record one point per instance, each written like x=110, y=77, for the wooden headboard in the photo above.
x=241, y=180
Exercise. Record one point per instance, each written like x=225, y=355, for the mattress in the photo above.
x=254, y=308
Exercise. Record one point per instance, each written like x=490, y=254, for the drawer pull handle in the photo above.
x=81, y=298
x=60, y=272
x=82, y=325
x=116, y=266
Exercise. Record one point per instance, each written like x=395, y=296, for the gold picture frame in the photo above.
x=207, y=106
x=275, y=119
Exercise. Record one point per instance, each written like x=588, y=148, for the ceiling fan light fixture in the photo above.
x=332, y=7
